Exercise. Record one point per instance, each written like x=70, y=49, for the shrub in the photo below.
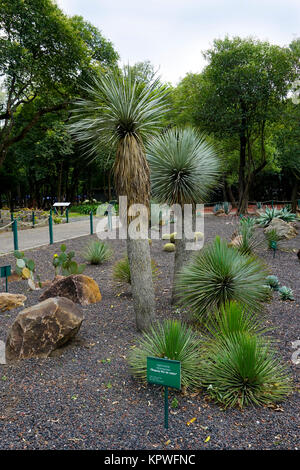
x=272, y=236
x=97, y=252
x=173, y=340
x=273, y=282
x=219, y=273
x=241, y=369
x=25, y=268
x=170, y=247
x=269, y=214
x=231, y=318
x=286, y=293
x=121, y=271
x=84, y=209
x=64, y=263
x=248, y=238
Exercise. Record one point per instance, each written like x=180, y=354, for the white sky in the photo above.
x=173, y=33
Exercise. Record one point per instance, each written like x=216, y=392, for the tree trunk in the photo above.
x=294, y=195
x=141, y=283
x=181, y=258
x=230, y=194
x=241, y=202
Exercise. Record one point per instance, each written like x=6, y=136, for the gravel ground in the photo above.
x=85, y=398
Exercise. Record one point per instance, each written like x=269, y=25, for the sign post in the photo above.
x=164, y=372
x=274, y=247
x=5, y=271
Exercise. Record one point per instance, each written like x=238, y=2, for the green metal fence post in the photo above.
x=50, y=229
x=91, y=223
x=33, y=219
x=15, y=232
x=67, y=215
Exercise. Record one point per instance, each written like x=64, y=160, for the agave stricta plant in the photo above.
x=217, y=274
x=173, y=340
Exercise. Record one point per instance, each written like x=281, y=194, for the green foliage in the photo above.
x=174, y=403
x=97, y=252
x=44, y=56
x=173, y=340
x=241, y=368
x=84, y=209
x=118, y=104
x=248, y=238
x=217, y=274
x=286, y=293
x=232, y=318
x=184, y=167
x=271, y=237
x=64, y=263
x=273, y=282
x=275, y=213
x=121, y=271
x=25, y=268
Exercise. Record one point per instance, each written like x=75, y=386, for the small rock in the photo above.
x=79, y=288
x=10, y=301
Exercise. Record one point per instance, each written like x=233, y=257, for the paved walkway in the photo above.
x=35, y=237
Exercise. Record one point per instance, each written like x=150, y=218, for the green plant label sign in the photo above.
x=164, y=372
x=5, y=271
x=274, y=245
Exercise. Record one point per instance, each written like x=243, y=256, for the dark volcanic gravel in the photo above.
x=85, y=398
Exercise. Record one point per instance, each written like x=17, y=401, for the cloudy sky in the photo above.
x=172, y=33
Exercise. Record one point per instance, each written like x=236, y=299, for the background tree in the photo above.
x=236, y=100
x=45, y=55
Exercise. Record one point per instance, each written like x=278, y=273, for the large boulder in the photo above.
x=284, y=229
x=39, y=330
x=10, y=301
x=80, y=289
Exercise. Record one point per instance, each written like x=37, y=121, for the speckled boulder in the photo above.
x=39, y=330
x=79, y=288
x=284, y=229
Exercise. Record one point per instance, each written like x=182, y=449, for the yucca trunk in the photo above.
x=181, y=258
x=182, y=255
x=132, y=179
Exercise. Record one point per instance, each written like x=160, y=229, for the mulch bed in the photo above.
x=84, y=396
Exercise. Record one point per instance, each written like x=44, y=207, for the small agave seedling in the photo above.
x=273, y=282
x=286, y=293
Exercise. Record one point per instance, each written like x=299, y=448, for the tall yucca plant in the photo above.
x=217, y=274
x=125, y=111
x=184, y=168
